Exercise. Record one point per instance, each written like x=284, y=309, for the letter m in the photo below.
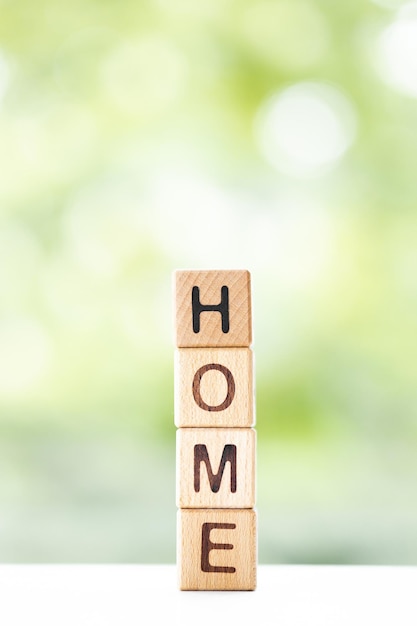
x=201, y=456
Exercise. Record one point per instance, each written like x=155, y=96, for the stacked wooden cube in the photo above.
x=216, y=444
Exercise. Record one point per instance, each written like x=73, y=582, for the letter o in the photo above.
x=230, y=387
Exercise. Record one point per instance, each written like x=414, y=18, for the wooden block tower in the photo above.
x=216, y=444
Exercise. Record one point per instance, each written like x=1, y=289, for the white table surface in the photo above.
x=127, y=595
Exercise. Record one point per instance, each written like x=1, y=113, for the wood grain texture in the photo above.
x=237, y=330
x=214, y=387
x=216, y=468
x=217, y=549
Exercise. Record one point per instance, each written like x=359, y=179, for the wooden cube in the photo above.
x=214, y=387
x=213, y=308
x=216, y=468
x=217, y=549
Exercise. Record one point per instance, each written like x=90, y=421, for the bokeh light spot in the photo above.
x=305, y=129
x=397, y=52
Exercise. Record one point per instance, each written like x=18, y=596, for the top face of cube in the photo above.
x=213, y=309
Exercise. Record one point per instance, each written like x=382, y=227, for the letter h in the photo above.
x=222, y=308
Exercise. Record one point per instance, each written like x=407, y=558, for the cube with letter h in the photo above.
x=216, y=444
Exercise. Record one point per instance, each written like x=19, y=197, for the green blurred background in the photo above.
x=278, y=136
